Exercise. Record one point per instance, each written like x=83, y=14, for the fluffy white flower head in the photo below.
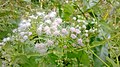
x=52, y=14
x=22, y=33
x=48, y=21
x=29, y=33
x=41, y=48
x=77, y=31
x=64, y=31
x=73, y=36
x=48, y=32
x=46, y=28
x=79, y=41
x=58, y=20
x=56, y=33
x=72, y=29
x=39, y=29
x=25, y=37
x=54, y=28
x=50, y=42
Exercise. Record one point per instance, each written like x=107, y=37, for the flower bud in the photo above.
x=73, y=36
x=72, y=29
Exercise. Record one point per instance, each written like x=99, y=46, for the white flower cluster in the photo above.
x=50, y=24
x=52, y=27
x=42, y=47
x=23, y=30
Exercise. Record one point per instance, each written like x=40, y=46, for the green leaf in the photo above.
x=22, y=59
x=68, y=10
x=83, y=57
x=102, y=52
x=71, y=55
x=52, y=58
x=111, y=61
x=106, y=26
x=32, y=61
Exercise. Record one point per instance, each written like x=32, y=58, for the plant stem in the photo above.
x=98, y=57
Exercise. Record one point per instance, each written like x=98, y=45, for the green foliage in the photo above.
x=102, y=52
x=102, y=48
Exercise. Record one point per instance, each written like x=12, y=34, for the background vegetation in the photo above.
x=105, y=50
